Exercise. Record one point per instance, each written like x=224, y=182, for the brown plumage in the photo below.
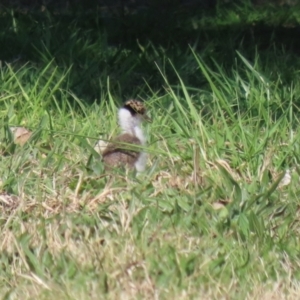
x=123, y=150
x=118, y=152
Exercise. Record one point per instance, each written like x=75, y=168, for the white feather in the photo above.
x=127, y=121
x=140, y=164
x=132, y=125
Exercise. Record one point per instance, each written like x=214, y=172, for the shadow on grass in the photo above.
x=128, y=48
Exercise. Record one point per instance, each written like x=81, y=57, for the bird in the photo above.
x=124, y=149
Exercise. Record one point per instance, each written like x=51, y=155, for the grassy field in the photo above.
x=216, y=213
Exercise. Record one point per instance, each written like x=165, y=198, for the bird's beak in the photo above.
x=146, y=118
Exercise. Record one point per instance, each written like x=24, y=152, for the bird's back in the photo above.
x=119, y=152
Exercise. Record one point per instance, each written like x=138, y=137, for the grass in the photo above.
x=210, y=218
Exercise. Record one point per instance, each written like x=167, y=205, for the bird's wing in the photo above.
x=119, y=151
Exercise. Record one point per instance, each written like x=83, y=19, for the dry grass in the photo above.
x=213, y=216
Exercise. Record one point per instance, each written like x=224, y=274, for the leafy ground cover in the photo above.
x=216, y=214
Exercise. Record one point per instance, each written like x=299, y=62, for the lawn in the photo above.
x=216, y=213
